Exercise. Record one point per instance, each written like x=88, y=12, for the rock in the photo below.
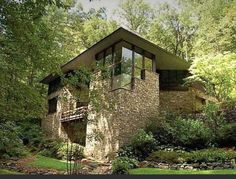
x=227, y=166
x=210, y=167
x=143, y=164
x=102, y=170
x=174, y=167
x=164, y=166
x=203, y=166
x=188, y=167
x=218, y=168
x=233, y=163
x=196, y=165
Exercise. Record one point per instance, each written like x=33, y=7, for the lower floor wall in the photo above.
x=180, y=101
x=105, y=131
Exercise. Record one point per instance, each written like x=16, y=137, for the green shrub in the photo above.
x=143, y=144
x=160, y=131
x=10, y=143
x=211, y=155
x=190, y=133
x=31, y=133
x=213, y=118
x=64, y=151
x=126, y=151
x=50, y=147
x=122, y=165
x=227, y=135
x=167, y=156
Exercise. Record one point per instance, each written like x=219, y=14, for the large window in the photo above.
x=126, y=62
x=172, y=79
x=122, y=69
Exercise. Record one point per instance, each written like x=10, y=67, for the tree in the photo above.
x=219, y=36
x=24, y=39
x=137, y=14
x=217, y=73
x=173, y=30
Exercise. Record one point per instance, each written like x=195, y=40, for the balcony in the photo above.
x=75, y=114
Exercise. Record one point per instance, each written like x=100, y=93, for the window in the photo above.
x=148, y=64
x=172, y=79
x=123, y=69
x=138, y=65
x=125, y=62
x=108, y=57
x=99, y=58
x=52, y=105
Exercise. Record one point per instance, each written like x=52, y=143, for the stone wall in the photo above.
x=179, y=101
x=51, y=123
x=120, y=115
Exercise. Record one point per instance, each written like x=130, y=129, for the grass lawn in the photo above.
x=150, y=171
x=49, y=163
x=9, y=172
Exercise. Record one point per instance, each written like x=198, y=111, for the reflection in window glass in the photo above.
x=99, y=59
x=117, y=55
x=148, y=64
x=122, y=81
x=108, y=57
x=138, y=60
x=137, y=73
x=127, y=55
x=123, y=70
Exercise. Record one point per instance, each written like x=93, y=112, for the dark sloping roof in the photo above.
x=165, y=60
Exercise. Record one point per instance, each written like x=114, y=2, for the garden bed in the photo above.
x=155, y=171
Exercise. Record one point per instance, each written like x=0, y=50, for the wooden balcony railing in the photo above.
x=74, y=114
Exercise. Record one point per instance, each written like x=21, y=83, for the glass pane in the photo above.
x=122, y=81
x=138, y=60
x=99, y=59
x=117, y=55
x=99, y=63
x=108, y=58
x=148, y=64
x=123, y=67
x=127, y=55
x=137, y=73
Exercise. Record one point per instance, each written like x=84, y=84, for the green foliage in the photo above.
x=126, y=151
x=10, y=142
x=122, y=165
x=227, y=135
x=70, y=151
x=137, y=14
x=191, y=133
x=31, y=133
x=50, y=147
x=211, y=155
x=179, y=130
x=143, y=144
x=173, y=30
x=217, y=73
x=167, y=156
x=204, y=155
x=160, y=131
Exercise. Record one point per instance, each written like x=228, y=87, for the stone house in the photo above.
x=143, y=81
